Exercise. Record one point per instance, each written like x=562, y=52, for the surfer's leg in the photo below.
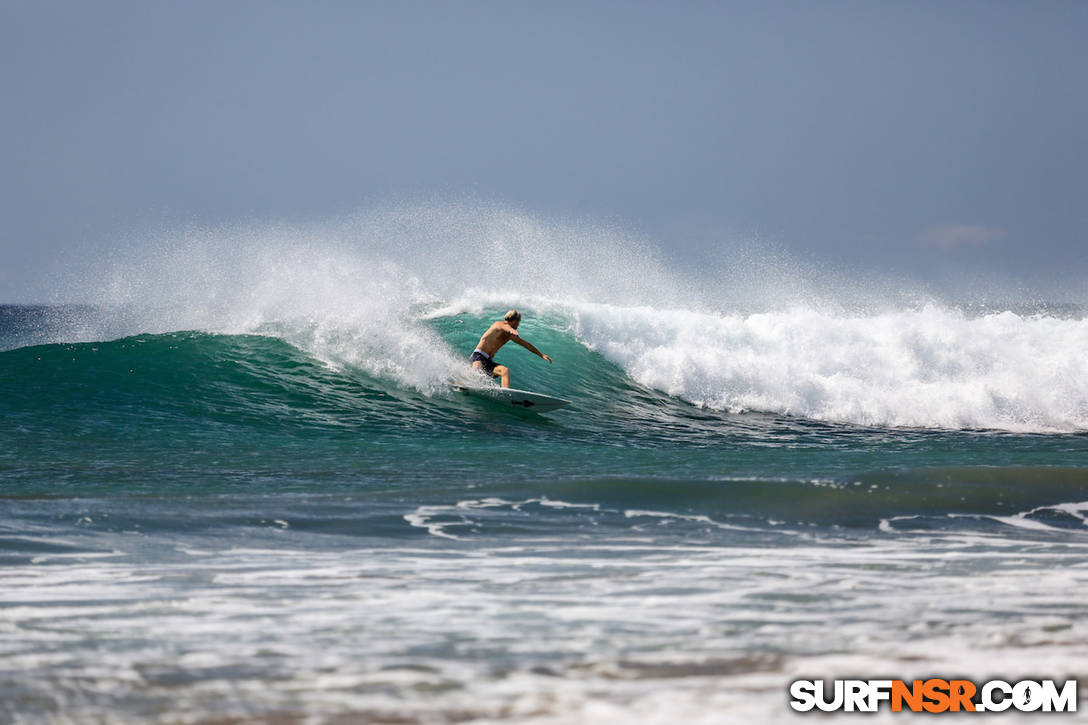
x=503, y=372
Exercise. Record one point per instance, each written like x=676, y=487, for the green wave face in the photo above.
x=193, y=412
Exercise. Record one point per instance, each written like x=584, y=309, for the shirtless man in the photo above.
x=500, y=333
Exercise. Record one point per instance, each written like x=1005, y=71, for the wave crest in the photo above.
x=376, y=290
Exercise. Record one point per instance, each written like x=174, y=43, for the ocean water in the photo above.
x=236, y=487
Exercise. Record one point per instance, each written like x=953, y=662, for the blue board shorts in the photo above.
x=485, y=360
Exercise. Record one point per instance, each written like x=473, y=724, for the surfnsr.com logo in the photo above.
x=934, y=695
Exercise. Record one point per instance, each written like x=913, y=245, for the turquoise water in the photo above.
x=269, y=504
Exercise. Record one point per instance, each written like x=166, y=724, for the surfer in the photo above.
x=500, y=333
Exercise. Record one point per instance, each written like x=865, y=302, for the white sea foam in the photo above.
x=930, y=367
x=564, y=630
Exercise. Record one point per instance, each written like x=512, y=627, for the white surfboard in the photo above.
x=525, y=399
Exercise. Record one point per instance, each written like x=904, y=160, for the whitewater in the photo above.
x=235, y=485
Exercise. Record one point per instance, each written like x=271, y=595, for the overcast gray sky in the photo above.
x=915, y=136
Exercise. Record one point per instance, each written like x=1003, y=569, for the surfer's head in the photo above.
x=512, y=318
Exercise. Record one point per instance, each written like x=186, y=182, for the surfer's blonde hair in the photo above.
x=512, y=315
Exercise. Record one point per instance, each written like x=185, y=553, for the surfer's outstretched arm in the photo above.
x=530, y=347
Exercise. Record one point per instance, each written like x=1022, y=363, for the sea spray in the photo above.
x=760, y=332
